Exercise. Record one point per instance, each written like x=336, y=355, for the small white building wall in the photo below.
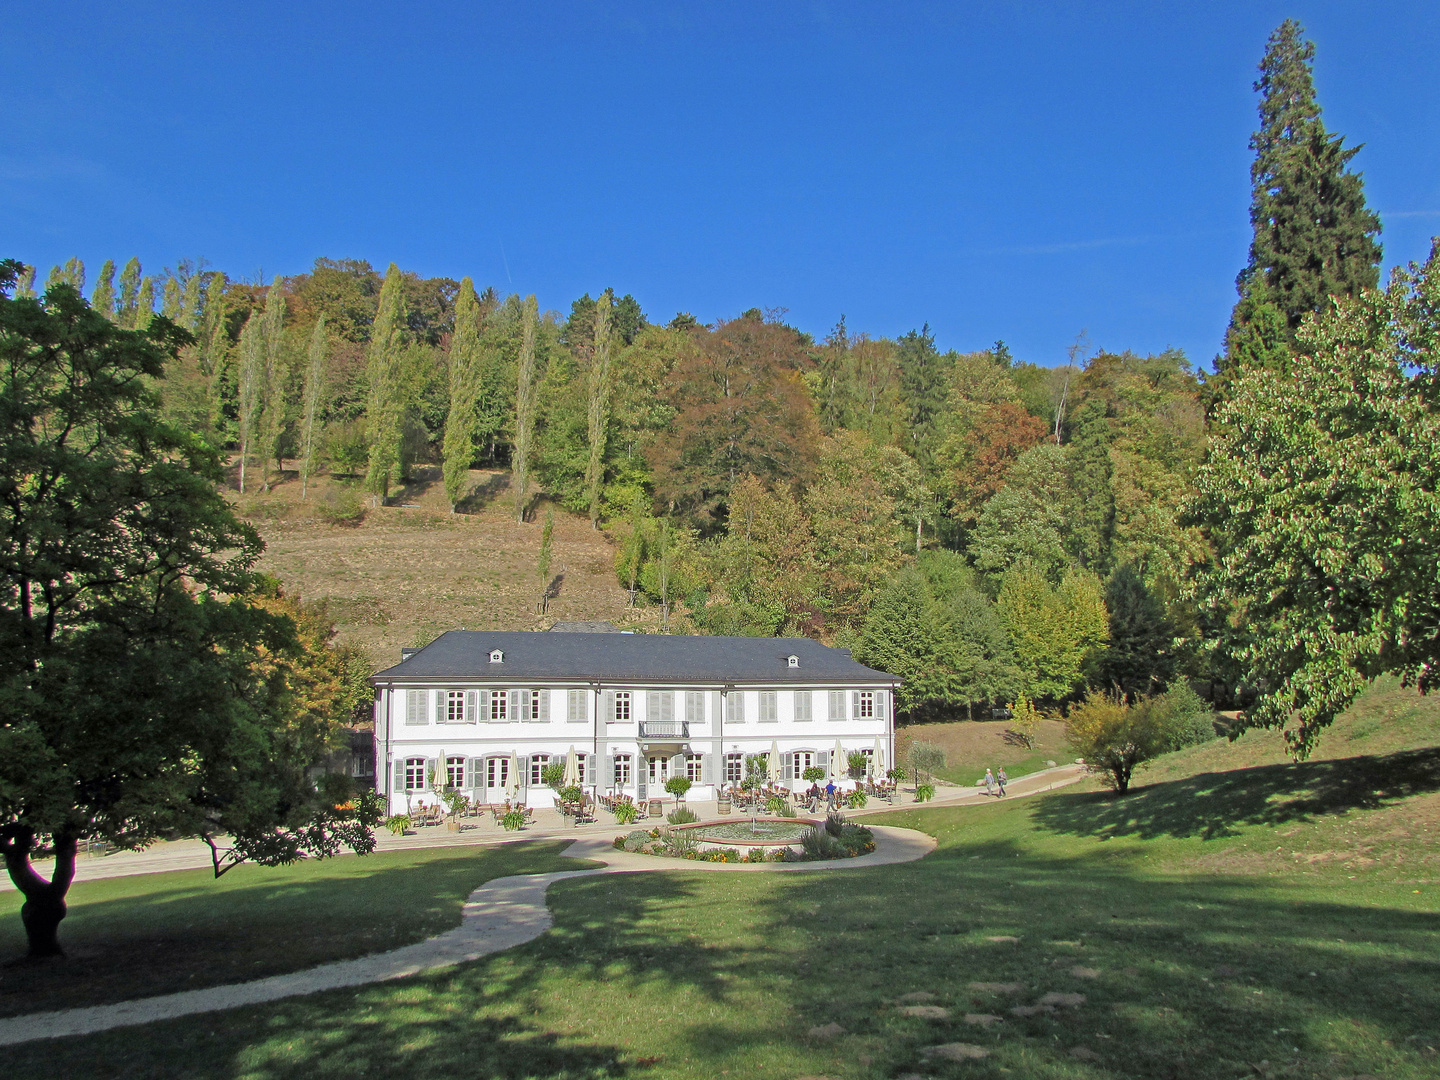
x=730, y=723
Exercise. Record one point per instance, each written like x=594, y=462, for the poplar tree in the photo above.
x=310, y=403
x=145, y=304
x=170, y=299
x=129, y=293
x=525, y=405
x=384, y=409
x=72, y=274
x=466, y=382
x=252, y=373
x=192, y=303
x=1314, y=237
x=103, y=298
x=547, y=551
x=598, y=412
x=216, y=346
x=25, y=283
x=272, y=409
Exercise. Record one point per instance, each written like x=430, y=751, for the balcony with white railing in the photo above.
x=664, y=729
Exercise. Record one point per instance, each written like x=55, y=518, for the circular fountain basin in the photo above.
x=768, y=832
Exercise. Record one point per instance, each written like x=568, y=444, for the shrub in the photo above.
x=779, y=805
x=857, y=799
x=513, y=820
x=679, y=843
x=895, y=775
x=552, y=776
x=813, y=773
x=819, y=844
x=620, y=842
x=682, y=816
x=625, y=813
x=924, y=792
x=398, y=823
x=678, y=786
x=757, y=854
x=341, y=506
x=570, y=794
x=924, y=758
x=858, y=763
x=1024, y=719
x=1113, y=737
x=1184, y=717
x=834, y=824
x=636, y=840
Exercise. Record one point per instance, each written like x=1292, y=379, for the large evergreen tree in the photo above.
x=923, y=385
x=1314, y=237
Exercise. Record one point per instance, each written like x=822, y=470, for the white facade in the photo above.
x=490, y=736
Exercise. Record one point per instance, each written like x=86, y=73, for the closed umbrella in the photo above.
x=839, y=763
x=513, y=787
x=572, y=769
x=772, y=766
x=877, y=760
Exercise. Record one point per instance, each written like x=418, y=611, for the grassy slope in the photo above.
x=410, y=572
x=1201, y=950
x=157, y=933
x=972, y=746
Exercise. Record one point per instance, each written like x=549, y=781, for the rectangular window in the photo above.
x=533, y=700
x=769, y=708
x=837, y=704
x=659, y=769
x=694, y=768
x=499, y=706
x=735, y=707
x=694, y=707
x=801, y=760
x=803, y=703
x=537, y=764
x=415, y=774
x=622, y=706
x=455, y=772
x=415, y=707
x=577, y=706
x=580, y=762
x=734, y=768
x=865, y=705
x=622, y=770
x=455, y=707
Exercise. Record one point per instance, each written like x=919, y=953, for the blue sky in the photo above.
x=1001, y=170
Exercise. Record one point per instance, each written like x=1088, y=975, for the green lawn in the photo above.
x=1278, y=922
x=156, y=933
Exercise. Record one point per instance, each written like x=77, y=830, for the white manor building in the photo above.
x=488, y=710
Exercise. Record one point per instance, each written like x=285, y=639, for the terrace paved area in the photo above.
x=194, y=855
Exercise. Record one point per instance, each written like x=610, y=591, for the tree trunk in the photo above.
x=44, y=906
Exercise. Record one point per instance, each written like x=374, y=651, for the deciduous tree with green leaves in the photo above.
x=1321, y=495
x=143, y=691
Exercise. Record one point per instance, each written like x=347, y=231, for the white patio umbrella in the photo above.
x=839, y=763
x=877, y=760
x=572, y=769
x=512, y=787
x=772, y=766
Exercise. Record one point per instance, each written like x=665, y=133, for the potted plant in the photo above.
x=513, y=820
x=678, y=786
x=571, y=794
x=858, y=763
x=814, y=773
x=553, y=776
x=397, y=824
x=455, y=802
x=625, y=812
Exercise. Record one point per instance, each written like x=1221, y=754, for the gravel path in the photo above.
x=499, y=915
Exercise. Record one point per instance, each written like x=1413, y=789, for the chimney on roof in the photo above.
x=405, y=654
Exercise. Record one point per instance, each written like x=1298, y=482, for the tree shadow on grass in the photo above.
x=1212, y=805
x=483, y=494
x=690, y=974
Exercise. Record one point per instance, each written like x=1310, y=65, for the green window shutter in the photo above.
x=609, y=706
x=855, y=703
x=822, y=760
x=736, y=699
x=707, y=768
x=399, y=776
x=652, y=705
x=414, y=708
x=544, y=705
x=880, y=704
x=440, y=716
x=472, y=707
x=787, y=766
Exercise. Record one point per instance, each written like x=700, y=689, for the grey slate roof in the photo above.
x=652, y=658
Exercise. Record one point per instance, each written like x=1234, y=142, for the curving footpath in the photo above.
x=499, y=915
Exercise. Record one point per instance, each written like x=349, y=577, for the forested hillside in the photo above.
x=993, y=530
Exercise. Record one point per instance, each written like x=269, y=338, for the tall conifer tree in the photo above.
x=923, y=386
x=310, y=402
x=170, y=299
x=103, y=298
x=384, y=408
x=1314, y=236
x=466, y=379
x=525, y=405
x=598, y=412
x=129, y=293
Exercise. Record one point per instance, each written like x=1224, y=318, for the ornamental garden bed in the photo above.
x=773, y=840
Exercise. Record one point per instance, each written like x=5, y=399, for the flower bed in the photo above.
x=833, y=838
x=765, y=831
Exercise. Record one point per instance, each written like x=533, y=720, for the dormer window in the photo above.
x=497, y=656
x=793, y=661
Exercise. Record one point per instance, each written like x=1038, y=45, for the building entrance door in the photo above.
x=497, y=779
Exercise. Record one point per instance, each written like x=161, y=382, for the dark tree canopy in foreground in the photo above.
x=145, y=690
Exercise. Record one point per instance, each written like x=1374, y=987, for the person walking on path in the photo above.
x=989, y=782
x=1001, y=780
